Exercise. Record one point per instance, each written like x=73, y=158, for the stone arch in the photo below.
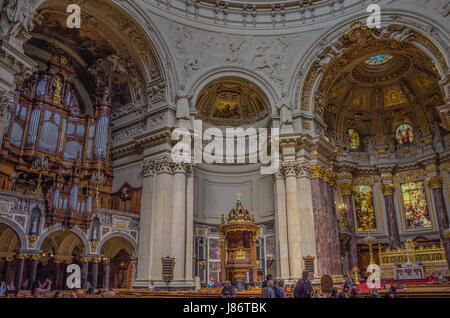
x=120, y=235
x=146, y=44
x=197, y=83
x=58, y=227
x=23, y=241
x=304, y=87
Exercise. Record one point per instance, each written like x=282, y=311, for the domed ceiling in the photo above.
x=232, y=102
x=377, y=93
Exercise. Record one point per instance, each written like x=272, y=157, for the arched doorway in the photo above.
x=9, y=252
x=59, y=249
x=118, y=267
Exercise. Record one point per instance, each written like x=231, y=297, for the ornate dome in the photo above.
x=240, y=214
x=371, y=98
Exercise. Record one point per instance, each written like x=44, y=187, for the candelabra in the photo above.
x=98, y=179
x=369, y=240
x=41, y=166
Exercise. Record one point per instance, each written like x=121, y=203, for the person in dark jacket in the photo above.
x=303, y=289
x=228, y=290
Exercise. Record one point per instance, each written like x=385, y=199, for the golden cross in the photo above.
x=238, y=194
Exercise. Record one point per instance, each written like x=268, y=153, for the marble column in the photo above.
x=281, y=228
x=146, y=238
x=223, y=269
x=33, y=268
x=307, y=230
x=254, y=263
x=84, y=272
x=393, y=235
x=134, y=263
x=441, y=213
x=57, y=274
x=6, y=268
x=189, y=225
x=94, y=273
x=162, y=218
x=329, y=261
x=19, y=271
x=335, y=246
x=178, y=237
x=293, y=222
x=106, y=270
x=352, y=246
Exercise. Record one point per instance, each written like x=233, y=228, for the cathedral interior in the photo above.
x=87, y=114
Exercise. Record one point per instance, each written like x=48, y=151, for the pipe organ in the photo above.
x=47, y=126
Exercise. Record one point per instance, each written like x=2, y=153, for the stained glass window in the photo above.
x=354, y=139
x=404, y=134
x=415, y=206
x=379, y=59
x=365, y=212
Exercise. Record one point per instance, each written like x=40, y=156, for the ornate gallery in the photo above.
x=86, y=122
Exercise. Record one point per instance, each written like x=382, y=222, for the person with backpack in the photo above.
x=303, y=289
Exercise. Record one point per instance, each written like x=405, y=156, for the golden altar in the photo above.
x=432, y=259
x=238, y=237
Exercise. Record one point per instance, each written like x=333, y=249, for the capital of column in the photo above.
x=317, y=171
x=6, y=103
x=432, y=169
x=436, y=182
x=346, y=188
x=289, y=169
x=387, y=189
x=165, y=164
x=179, y=168
x=85, y=259
x=148, y=168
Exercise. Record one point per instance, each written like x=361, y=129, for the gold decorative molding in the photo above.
x=93, y=245
x=365, y=180
x=346, y=188
x=85, y=259
x=436, y=182
x=32, y=239
x=320, y=172
x=409, y=176
x=431, y=168
x=387, y=189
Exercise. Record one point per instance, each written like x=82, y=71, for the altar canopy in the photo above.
x=238, y=237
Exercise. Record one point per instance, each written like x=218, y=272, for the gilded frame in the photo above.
x=414, y=176
x=375, y=184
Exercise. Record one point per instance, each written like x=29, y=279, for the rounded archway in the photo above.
x=59, y=249
x=118, y=268
x=9, y=250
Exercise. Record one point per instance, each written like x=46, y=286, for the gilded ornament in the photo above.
x=32, y=239
x=346, y=188
x=436, y=182
x=387, y=189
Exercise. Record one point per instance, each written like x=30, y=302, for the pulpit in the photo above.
x=238, y=235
